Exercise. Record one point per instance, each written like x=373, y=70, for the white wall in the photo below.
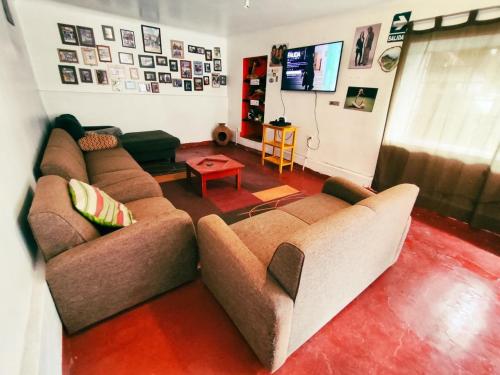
x=27, y=313
x=350, y=139
x=191, y=116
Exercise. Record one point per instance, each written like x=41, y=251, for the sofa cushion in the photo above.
x=95, y=142
x=315, y=208
x=55, y=224
x=70, y=124
x=63, y=157
x=263, y=233
x=150, y=207
x=115, y=159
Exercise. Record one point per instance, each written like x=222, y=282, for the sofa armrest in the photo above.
x=101, y=277
x=346, y=190
x=258, y=306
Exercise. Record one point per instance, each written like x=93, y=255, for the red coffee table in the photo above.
x=212, y=168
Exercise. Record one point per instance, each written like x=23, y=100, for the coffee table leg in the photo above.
x=238, y=180
x=203, y=187
x=188, y=175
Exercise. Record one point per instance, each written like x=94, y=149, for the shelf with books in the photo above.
x=253, y=97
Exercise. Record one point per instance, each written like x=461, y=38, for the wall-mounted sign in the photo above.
x=399, y=27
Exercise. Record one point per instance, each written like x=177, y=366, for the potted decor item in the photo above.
x=222, y=134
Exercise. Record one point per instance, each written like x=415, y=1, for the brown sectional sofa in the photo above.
x=284, y=274
x=92, y=273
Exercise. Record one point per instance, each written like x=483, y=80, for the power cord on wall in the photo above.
x=317, y=125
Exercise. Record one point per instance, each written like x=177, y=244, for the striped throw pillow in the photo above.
x=95, y=142
x=99, y=207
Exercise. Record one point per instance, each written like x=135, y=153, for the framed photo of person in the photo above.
x=142, y=87
x=146, y=61
x=68, y=74
x=208, y=68
x=67, y=55
x=198, y=84
x=174, y=66
x=215, y=80
x=164, y=77
x=134, y=73
x=68, y=34
x=191, y=49
x=102, y=77
x=200, y=50
x=364, y=45
x=186, y=69
x=217, y=54
x=86, y=36
x=161, y=61
x=217, y=65
x=104, y=53
x=150, y=76
x=126, y=58
x=188, y=85
x=177, y=49
x=177, y=82
x=151, y=39
x=206, y=80
x=85, y=75
x=208, y=54
x=108, y=33
x=155, y=87
x=128, y=38
x=223, y=80
x=89, y=56
x=198, y=68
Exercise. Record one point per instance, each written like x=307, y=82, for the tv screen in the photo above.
x=312, y=68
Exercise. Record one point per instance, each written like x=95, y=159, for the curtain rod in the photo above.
x=455, y=14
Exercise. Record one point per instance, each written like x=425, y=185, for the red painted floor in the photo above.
x=436, y=311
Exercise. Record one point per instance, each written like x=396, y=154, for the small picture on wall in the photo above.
x=67, y=56
x=142, y=87
x=208, y=54
x=198, y=84
x=117, y=72
x=102, y=77
x=146, y=61
x=191, y=49
x=68, y=75
x=150, y=76
x=174, y=67
x=161, y=60
x=155, y=87
x=68, y=34
x=186, y=69
x=177, y=82
x=188, y=85
x=108, y=33
x=360, y=98
x=151, y=38
x=389, y=59
x=104, y=53
x=206, y=80
x=200, y=50
x=89, y=56
x=217, y=54
x=198, y=68
x=165, y=77
x=116, y=85
x=363, y=49
x=128, y=38
x=130, y=85
x=126, y=58
x=217, y=65
x=223, y=80
x=86, y=36
x=278, y=52
x=215, y=80
x=134, y=73
x=86, y=75
x=208, y=68
x=177, y=48
x=148, y=87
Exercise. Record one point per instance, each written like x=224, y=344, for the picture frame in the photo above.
x=200, y=50
x=68, y=34
x=67, y=56
x=161, y=61
x=148, y=87
x=176, y=82
x=188, y=85
x=68, y=74
x=223, y=80
x=155, y=87
x=151, y=39
x=134, y=73
x=116, y=85
x=130, y=85
x=207, y=67
x=186, y=69
x=146, y=61
x=89, y=56
x=197, y=68
x=117, y=72
x=128, y=38
x=208, y=54
x=217, y=53
x=126, y=58
x=164, y=77
x=177, y=49
x=142, y=87
x=364, y=46
x=206, y=80
x=198, y=84
x=215, y=80
x=86, y=36
x=191, y=49
x=173, y=65
x=217, y=65
x=104, y=53
x=150, y=76
x=86, y=75
x=101, y=77
x=360, y=98
x=108, y=33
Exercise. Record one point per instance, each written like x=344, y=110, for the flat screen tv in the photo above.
x=312, y=68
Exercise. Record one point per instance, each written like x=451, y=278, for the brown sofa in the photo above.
x=93, y=274
x=284, y=274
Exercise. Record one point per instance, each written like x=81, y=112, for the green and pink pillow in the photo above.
x=99, y=207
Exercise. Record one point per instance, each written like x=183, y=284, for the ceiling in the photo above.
x=223, y=17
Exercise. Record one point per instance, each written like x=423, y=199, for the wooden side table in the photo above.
x=283, y=144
